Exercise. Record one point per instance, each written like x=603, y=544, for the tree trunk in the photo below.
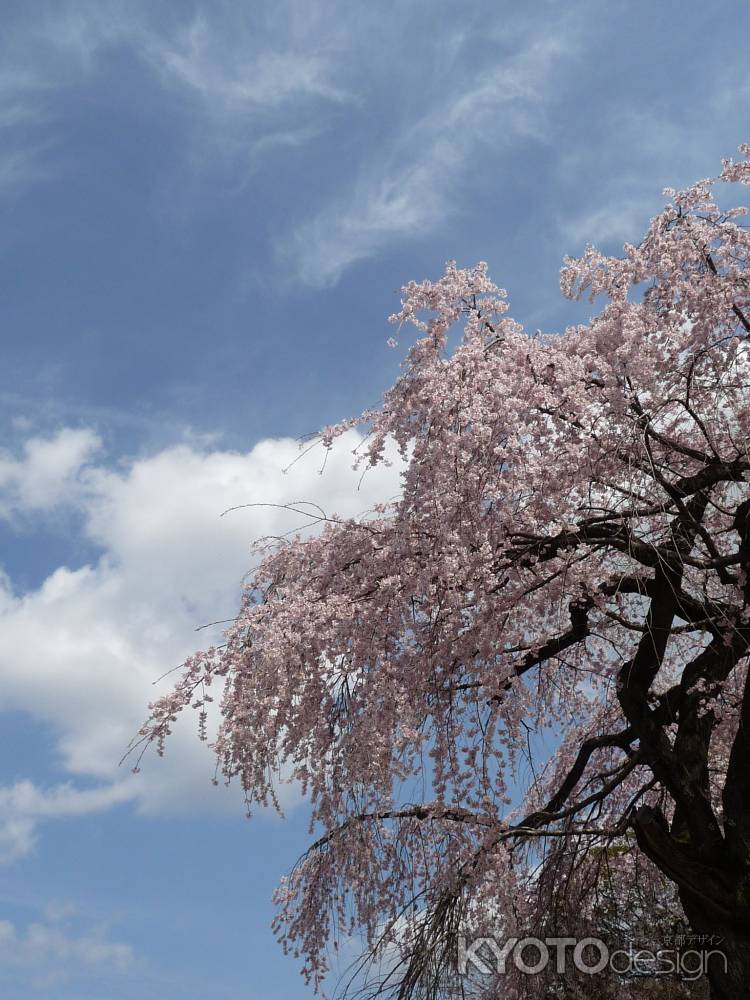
x=714, y=901
x=728, y=945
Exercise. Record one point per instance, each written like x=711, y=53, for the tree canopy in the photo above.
x=517, y=694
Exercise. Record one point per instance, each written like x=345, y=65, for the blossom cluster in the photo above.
x=431, y=675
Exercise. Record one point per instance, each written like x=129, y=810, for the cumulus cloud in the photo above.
x=47, y=473
x=80, y=653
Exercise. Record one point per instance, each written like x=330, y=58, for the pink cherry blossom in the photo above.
x=517, y=695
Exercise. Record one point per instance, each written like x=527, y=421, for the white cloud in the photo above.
x=81, y=652
x=47, y=473
x=623, y=176
x=22, y=150
x=52, y=951
x=412, y=188
x=617, y=221
x=244, y=77
x=241, y=77
x=23, y=806
x=232, y=57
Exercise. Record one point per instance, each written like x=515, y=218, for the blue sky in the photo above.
x=207, y=209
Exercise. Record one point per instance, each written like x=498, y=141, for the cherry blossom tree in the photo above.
x=517, y=695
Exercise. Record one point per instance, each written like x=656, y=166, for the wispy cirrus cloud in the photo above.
x=412, y=187
x=624, y=174
x=241, y=77
x=223, y=54
x=247, y=80
x=23, y=116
